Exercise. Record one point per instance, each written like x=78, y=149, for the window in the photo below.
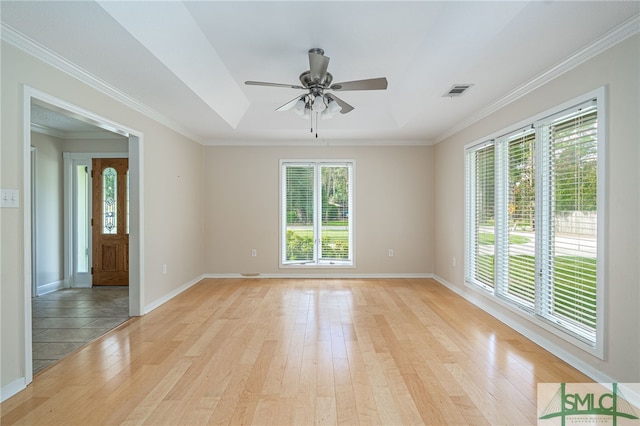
x=481, y=214
x=109, y=201
x=317, y=213
x=532, y=215
x=82, y=218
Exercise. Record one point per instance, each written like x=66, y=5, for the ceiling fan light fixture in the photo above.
x=318, y=104
x=326, y=114
x=333, y=106
x=300, y=106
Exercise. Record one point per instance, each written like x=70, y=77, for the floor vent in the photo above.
x=457, y=90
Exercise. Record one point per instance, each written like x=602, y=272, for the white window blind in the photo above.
x=568, y=180
x=317, y=219
x=481, y=205
x=516, y=217
x=531, y=218
x=299, y=185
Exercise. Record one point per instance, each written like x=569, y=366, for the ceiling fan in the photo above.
x=319, y=87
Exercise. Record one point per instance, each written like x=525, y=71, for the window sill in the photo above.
x=340, y=265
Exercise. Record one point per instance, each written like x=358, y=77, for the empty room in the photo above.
x=320, y=212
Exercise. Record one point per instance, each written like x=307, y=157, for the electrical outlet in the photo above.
x=390, y=252
x=254, y=252
x=453, y=262
x=164, y=269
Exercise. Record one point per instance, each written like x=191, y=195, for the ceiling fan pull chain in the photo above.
x=317, y=124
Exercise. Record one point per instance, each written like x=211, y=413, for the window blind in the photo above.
x=482, y=204
x=531, y=221
x=569, y=182
x=334, y=229
x=520, y=225
x=299, y=213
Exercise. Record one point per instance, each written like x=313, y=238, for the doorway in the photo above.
x=71, y=291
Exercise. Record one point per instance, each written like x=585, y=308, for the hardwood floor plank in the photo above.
x=346, y=408
x=366, y=405
x=325, y=411
x=292, y=351
x=231, y=397
x=148, y=405
x=245, y=410
x=386, y=406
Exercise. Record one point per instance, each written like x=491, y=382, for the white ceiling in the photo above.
x=187, y=61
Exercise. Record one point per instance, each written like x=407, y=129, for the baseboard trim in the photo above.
x=164, y=299
x=530, y=334
x=317, y=276
x=12, y=388
x=49, y=288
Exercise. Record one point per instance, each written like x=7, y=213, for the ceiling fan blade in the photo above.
x=345, y=106
x=370, y=84
x=289, y=104
x=262, y=83
x=318, y=64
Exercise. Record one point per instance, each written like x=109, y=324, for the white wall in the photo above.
x=117, y=144
x=172, y=198
x=393, y=208
x=619, y=70
x=49, y=241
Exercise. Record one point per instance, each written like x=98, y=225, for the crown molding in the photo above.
x=35, y=49
x=610, y=39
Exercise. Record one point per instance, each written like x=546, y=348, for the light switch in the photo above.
x=9, y=198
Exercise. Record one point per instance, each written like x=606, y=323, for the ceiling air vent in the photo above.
x=457, y=90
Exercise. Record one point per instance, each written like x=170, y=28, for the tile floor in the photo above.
x=66, y=319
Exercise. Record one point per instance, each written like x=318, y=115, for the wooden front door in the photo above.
x=110, y=221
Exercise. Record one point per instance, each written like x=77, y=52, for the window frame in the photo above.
x=533, y=314
x=317, y=261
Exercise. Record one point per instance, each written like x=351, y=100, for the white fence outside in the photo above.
x=576, y=222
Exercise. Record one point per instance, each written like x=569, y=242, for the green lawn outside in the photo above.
x=486, y=238
x=335, y=244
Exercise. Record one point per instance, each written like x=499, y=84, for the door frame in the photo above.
x=136, y=199
x=33, y=161
x=71, y=159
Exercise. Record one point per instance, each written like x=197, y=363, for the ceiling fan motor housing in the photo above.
x=305, y=79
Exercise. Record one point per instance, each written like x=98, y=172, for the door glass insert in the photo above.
x=109, y=201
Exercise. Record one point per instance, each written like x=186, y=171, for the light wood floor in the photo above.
x=285, y=352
